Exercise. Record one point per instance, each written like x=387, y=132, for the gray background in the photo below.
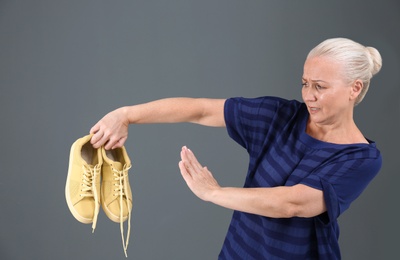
x=64, y=64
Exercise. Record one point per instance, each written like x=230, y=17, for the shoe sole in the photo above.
x=67, y=194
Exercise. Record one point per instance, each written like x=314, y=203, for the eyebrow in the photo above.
x=317, y=80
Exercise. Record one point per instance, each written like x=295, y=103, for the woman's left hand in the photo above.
x=198, y=178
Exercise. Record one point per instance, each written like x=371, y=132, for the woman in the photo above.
x=308, y=161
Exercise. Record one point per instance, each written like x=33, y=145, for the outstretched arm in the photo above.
x=277, y=202
x=112, y=130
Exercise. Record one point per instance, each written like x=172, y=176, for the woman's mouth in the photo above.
x=313, y=110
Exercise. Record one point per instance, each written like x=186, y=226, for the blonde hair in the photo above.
x=360, y=62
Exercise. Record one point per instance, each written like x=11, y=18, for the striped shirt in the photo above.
x=272, y=130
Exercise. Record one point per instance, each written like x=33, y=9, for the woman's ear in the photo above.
x=356, y=89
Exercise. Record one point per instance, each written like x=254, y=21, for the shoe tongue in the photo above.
x=118, y=165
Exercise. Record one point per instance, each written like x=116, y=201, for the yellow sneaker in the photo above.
x=82, y=190
x=116, y=194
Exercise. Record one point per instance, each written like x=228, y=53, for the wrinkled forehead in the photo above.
x=323, y=68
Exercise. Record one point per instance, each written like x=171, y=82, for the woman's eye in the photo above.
x=318, y=87
x=304, y=84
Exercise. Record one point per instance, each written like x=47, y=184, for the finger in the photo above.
x=183, y=155
x=208, y=171
x=192, y=159
x=95, y=135
x=96, y=139
x=94, y=129
x=108, y=145
x=111, y=142
x=191, y=168
x=120, y=143
x=104, y=140
x=184, y=172
x=182, y=167
x=186, y=161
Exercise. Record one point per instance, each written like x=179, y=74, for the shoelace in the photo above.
x=89, y=189
x=121, y=190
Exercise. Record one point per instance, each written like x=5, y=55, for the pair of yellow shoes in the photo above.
x=88, y=167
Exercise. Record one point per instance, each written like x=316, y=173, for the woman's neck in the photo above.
x=343, y=133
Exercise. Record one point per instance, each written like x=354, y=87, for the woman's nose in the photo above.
x=308, y=94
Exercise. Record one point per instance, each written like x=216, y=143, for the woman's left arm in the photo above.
x=276, y=202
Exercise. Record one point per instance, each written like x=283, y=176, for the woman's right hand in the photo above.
x=111, y=131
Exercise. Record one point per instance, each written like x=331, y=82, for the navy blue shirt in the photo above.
x=281, y=153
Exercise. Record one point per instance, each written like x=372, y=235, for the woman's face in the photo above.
x=325, y=92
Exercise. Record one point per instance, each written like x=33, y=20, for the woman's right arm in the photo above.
x=112, y=130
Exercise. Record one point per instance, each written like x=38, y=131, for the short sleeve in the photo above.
x=343, y=182
x=233, y=121
x=248, y=120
